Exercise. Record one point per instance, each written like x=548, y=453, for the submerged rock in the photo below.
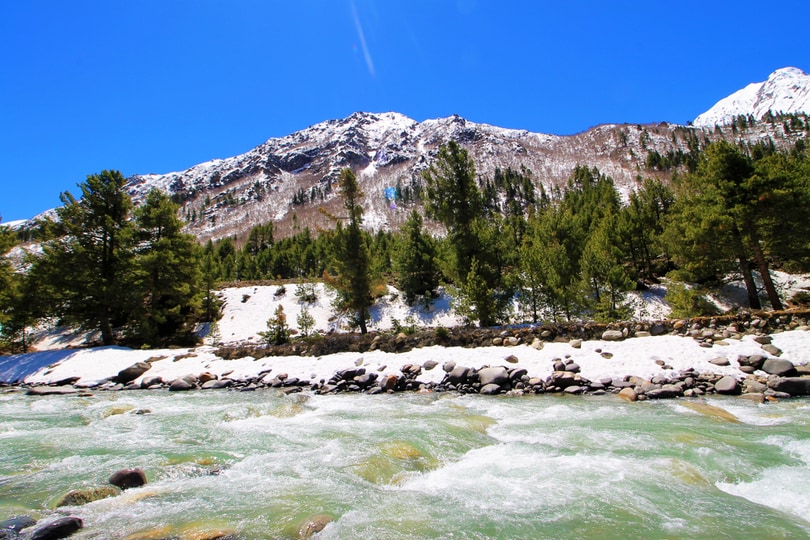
x=61, y=528
x=79, y=497
x=313, y=524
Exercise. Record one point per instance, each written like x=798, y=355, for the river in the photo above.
x=412, y=465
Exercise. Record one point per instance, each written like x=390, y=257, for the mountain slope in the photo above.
x=787, y=90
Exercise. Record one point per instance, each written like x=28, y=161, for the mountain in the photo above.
x=787, y=90
x=290, y=180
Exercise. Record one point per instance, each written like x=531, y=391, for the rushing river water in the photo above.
x=412, y=466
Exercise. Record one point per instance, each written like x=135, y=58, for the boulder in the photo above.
x=727, y=385
x=128, y=478
x=763, y=340
x=778, y=366
x=313, y=524
x=430, y=364
x=755, y=361
x=458, y=375
x=16, y=524
x=146, y=382
x=61, y=528
x=180, y=385
x=448, y=366
x=79, y=497
x=51, y=391
x=512, y=359
x=206, y=376
x=666, y=391
x=773, y=350
x=612, y=335
x=216, y=384
x=753, y=386
x=493, y=375
x=389, y=382
x=576, y=343
x=490, y=389
x=573, y=367
x=795, y=386
x=720, y=361
x=132, y=372
x=627, y=394
x=574, y=389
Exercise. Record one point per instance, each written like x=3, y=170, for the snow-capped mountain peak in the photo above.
x=787, y=90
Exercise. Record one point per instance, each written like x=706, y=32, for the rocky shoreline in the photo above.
x=766, y=376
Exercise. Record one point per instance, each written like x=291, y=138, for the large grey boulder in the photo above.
x=778, y=366
x=666, y=391
x=795, y=386
x=612, y=335
x=727, y=385
x=132, y=372
x=493, y=375
x=458, y=375
x=490, y=389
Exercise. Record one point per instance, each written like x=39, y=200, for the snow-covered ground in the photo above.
x=246, y=310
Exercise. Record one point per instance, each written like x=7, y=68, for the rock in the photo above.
x=537, y=344
x=146, y=382
x=217, y=384
x=517, y=374
x=753, y=386
x=389, y=382
x=612, y=335
x=755, y=360
x=448, y=366
x=727, y=385
x=458, y=375
x=657, y=329
x=78, y=497
x=755, y=397
x=313, y=524
x=772, y=350
x=763, y=340
x=627, y=394
x=493, y=375
x=490, y=389
x=51, y=391
x=720, y=361
x=573, y=367
x=16, y=524
x=497, y=341
x=576, y=343
x=365, y=380
x=795, y=386
x=778, y=366
x=132, y=372
x=61, y=528
x=666, y=391
x=128, y=478
x=206, y=376
x=574, y=389
x=643, y=333
x=180, y=385
x=512, y=359
x=430, y=364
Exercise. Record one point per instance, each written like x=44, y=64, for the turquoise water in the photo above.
x=412, y=465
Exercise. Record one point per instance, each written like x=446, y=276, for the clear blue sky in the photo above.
x=153, y=86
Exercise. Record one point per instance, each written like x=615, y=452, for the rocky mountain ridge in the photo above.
x=289, y=180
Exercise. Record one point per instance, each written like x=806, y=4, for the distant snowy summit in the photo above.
x=787, y=90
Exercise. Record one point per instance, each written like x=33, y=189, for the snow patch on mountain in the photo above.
x=787, y=90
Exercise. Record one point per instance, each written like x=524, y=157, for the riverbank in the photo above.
x=762, y=357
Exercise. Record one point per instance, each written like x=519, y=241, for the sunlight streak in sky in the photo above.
x=362, y=37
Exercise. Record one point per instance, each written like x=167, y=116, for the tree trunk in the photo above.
x=745, y=268
x=362, y=316
x=106, y=331
x=762, y=265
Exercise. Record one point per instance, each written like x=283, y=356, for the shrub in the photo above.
x=688, y=302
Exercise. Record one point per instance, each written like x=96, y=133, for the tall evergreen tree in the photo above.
x=166, y=271
x=90, y=266
x=415, y=260
x=453, y=198
x=351, y=257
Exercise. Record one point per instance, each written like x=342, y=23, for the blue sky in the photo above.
x=153, y=86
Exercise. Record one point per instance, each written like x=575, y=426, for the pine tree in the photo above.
x=278, y=333
x=415, y=260
x=89, y=265
x=453, y=198
x=305, y=321
x=166, y=271
x=351, y=256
